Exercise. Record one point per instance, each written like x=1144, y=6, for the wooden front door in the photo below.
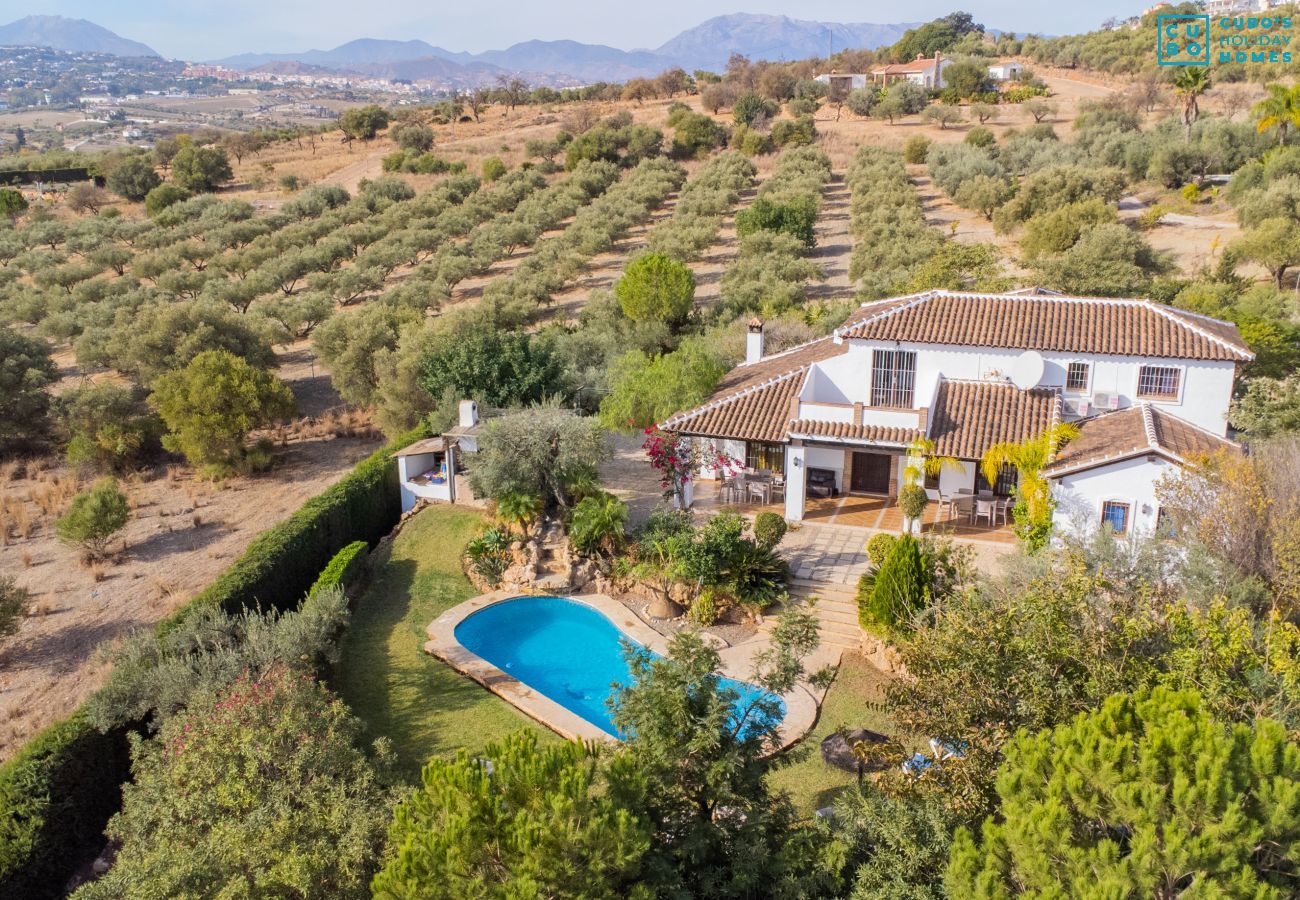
x=870, y=473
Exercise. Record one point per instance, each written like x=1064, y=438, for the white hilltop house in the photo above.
x=1148, y=385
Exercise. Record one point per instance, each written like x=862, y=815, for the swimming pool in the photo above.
x=564, y=649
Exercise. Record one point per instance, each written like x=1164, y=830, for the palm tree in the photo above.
x=1190, y=83
x=1280, y=110
x=1029, y=458
x=922, y=461
x=518, y=510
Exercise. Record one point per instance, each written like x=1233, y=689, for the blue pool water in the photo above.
x=563, y=649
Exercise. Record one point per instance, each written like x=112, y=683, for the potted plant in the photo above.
x=912, y=500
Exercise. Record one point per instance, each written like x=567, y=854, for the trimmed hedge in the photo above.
x=56, y=795
x=344, y=569
x=282, y=563
x=59, y=792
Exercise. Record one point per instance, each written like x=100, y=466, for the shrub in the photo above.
x=751, y=107
x=598, y=523
x=57, y=794
x=12, y=202
x=493, y=168
x=13, y=604
x=769, y=529
x=912, y=500
x=258, y=788
x=797, y=218
x=106, y=425
x=915, y=150
x=878, y=547
x=489, y=555
x=704, y=610
x=345, y=569
x=94, y=517
x=162, y=197
x=979, y=136
x=861, y=101
x=798, y=132
x=518, y=509
x=890, y=596
x=154, y=676
x=758, y=576
x=751, y=142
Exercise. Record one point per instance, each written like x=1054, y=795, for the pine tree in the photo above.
x=898, y=588
x=1147, y=796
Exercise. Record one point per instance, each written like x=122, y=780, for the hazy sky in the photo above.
x=207, y=29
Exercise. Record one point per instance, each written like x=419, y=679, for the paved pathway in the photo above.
x=828, y=554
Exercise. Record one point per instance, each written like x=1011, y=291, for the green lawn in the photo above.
x=810, y=782
x=422, y=705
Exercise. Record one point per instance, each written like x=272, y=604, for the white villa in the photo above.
x=1148, y=385
x=927, y=72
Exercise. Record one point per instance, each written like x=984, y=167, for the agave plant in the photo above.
x=1029, y=458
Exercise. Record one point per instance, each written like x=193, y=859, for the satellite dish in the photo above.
x=1027, y=370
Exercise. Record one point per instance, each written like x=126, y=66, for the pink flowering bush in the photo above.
x=679, y=460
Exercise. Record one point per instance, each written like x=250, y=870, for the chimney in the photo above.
x=754, y=341
x=468, y=414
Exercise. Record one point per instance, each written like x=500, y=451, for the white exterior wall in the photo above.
x=795, y=484
x=826, y=458
x=411, y=466
x=1079, y=496
x=1205, y=385
x=733, y=449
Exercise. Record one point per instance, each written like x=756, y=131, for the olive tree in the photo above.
x=25, y=371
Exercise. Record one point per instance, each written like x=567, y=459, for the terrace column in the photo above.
x=796, y=482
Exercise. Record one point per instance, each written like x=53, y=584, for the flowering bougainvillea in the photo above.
x=678, y=460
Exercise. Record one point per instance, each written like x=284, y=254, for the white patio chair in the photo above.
x=984, y=510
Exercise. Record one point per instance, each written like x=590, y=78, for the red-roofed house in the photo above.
x=1148, y=384
x=927, y=72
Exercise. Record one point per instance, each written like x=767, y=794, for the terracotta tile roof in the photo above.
x=759, y=412
x=847, y=431
x=907, y=68
x=1038, y=321
x=753, y=401
x=969, y=417
x=1135, y=431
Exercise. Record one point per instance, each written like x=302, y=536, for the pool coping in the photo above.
x=800, y=704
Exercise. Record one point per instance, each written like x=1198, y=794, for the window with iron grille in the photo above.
x=1076, y=377
x=1158, y=381
x=769, y=457
x=1008, y=478
x=1115, y=515
x=893, y=375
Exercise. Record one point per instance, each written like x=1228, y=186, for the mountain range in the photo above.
x=72, y=35
x=706, y=46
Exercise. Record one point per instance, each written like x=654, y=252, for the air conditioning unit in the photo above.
x=1105, y=401
x=1078, y=406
